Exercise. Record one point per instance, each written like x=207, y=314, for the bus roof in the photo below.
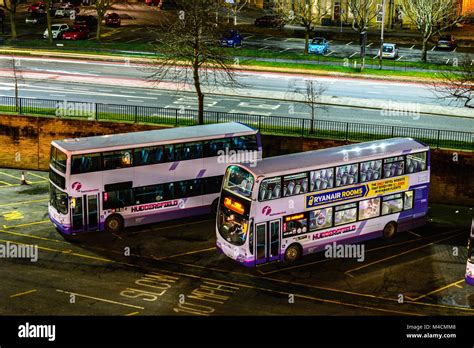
x=303, y=161
x=147, y=138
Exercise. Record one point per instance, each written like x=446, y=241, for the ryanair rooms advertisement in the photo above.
x=371, y=189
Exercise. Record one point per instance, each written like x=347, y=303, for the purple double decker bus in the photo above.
x=294, y=205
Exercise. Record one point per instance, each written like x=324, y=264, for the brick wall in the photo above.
x=26, y=141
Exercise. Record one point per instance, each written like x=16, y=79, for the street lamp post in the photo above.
x=381, y=34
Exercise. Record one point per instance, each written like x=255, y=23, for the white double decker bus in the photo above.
x=293, y=205
x=114, y=181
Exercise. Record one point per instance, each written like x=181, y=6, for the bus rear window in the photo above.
x=58, y=159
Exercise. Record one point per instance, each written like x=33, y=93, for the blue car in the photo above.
x=318, y=45
x=231, y=39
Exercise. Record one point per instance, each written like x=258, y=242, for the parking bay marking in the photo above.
x=253, y=287
x=23, y=293
x=99, y=299
x=402, y=253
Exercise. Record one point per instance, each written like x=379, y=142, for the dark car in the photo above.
x=270, y=21
x=37, y=7
x=113, y=20
x=446, y=41
x=231, y=39
x=166, y=5
x=35, y=18
x=152, y=2
x=89, y=21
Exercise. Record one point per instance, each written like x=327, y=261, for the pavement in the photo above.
x=173, y=268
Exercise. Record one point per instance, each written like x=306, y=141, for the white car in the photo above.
x=389, y=50
x=56, y=30
x=65, y=12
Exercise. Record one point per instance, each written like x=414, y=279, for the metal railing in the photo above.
x=279, y=125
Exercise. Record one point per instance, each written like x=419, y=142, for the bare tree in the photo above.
x=311, y=94
x=188, y=51
x=47, y=7
x=234, y=7
x=457, y=86
x=363, y=12
x=16, y=76
x=10, y=7
x=101, y=7
x=431, y=17
x=306, y=13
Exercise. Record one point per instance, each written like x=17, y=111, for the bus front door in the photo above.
x=267, y=239
x=85, y=213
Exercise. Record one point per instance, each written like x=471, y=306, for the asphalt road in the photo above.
x=119, y=83
x=173, y=269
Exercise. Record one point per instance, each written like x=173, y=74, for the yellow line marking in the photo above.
x=320, y=287
x=29, y=183
x=99, y=299
x=368, y=251
x=182, y=254
x=438, y=290
x=296, y=295
x=32, y=236
x=459, y=286
x=402, y=253
x=11, y=176
x=38, y=176
x=23, y=293
x=130, y=314
x=24, y=202
x=27, y=224
x=5, y=183
x=67, y=252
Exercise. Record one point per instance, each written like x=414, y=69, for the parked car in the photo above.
x=166, y=5
x=77, y=32
x=56, y=30
x=66, y=12
x=231, y=39
x=89, y=21
x=318, y=45
x=152, y=2
x=389, y=50
x=37, y=7
x=446, y=41
x=35, y=18
x=112, y=20
x=270, y=21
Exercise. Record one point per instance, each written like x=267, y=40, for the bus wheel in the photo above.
x=390, y=230
x=214, y=206
x=292, y=253
x=114, y=223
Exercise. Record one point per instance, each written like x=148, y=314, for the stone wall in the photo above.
x=26, y=142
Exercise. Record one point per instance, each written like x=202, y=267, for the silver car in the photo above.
x=389, y=50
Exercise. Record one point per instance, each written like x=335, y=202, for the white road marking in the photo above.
x=347, y=44
x=251, y=112
x=248, y=37
x=372, y=92
x=258, y=106
x=353, y=54
x=285, y=49
x=400, y=58
x=328, y=54
x=370, y=44
x=133, y=40
x=268, y=38
x=57, y=95
x=412, y=47
x=264, y=47
x=135, y=100
x=433, y=48
x=454, y=50
x=375, y=56
x=448, y=60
